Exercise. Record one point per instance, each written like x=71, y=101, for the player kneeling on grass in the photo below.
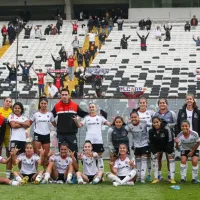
x=61, y=166
x=188, y=141
x=29, y=162
x=123, y=169
x=90, y=174
x=4, y=180
x=160, y=140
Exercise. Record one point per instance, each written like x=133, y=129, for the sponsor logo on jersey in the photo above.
x=140, y=127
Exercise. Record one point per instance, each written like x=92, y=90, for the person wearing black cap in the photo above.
x=124, y=42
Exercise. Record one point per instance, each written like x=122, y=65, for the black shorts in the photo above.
x=19, y=144
x=186, y=152
x=61, y=177
x=90, y=177
x=71, y=140
x=141, y=151
x=169, y=149
x=43, y=139
x=98, y=148
x=30, y=177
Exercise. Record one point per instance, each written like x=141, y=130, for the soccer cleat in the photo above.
x=59, y=182
x=148, y=178
x=116, y=184
x=194, y=181
x=44, y=181
x=155, y=181
x=129, y=183
x=24, y=181
x=182, y=181
x=142, y=181
x=169, y=178
x=36, y=182
x=172, y=181
x=15, y=183
x=69, y=182
x=160, y=178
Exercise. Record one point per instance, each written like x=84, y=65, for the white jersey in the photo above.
x=61, y=164
x=123, y=167
x=189, y=117
x=90, y=165
x=28, y=165
x=92, y=37
x=18, y=134
x=93, y=128
x=146, y=116
x=42, y=122
x=188, y=143
x=139, y=133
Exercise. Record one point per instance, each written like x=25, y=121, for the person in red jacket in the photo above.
x=71, y=61
x=75, y=28
x=40, y=76
x=4, y=32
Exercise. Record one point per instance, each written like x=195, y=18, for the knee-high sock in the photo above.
x=149, y=165
x=194, y=172
x=138, y=167
x=155, y=166
x=183, y=171
x=113, y=177
x=172, y=167
x=143, y=167
x=130, y=176
x=100, y=163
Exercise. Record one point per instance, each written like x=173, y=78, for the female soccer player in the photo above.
x=160, y=140
x=18, y=123
x=146, y=115
x=93, y=124
x=4, y=180
x=42, y=120
x=5, y=111
x=117, y=134
x=170, y=117
x=138, y=129
x=90, y=171
x=188, y=141
x=61, y=166
x=123, y=169
x=29, y=162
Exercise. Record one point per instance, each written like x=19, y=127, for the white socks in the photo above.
x=80, y=180
x=172, y=167
x=149, y=165
x=100, y=163
x=97, y=180
x=143, y=167
x=130, y=176
x=69, y=177
x=113, y=177
x=18, y=178
x=183, y=171
x=194, y=172
x=46, y=176
x=8, y=172
x=155, y=166
x=138, y=167
x=14, y=183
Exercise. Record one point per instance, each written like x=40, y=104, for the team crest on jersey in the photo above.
x=162, y=135
x=140, y=127
x=48, y=116
x=123, y=133
x=183, y=115
x=126, y=162
x=195, y=115
x=97, y=119
x=147, y=113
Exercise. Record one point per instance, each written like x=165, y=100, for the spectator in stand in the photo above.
x=110, y=25
x=38, y=32
x=142, y=24
x=63, y=54
x=87, y=57
x=25, y=70
x=143, y=41
x=194, y=22
x=54, y=31
x=30, y=80
x=75, y=92
x=4, y=33
x=52, y=90
x=102, y=38
x=74, y=27
x=93, y=50
x=90, y=24
x=40, y=76
x=92, y=36
x=71, y=61
x=167, y=32
x=120, y=23
x=48, y=29
x=58, y=80
x=95, y=21
x=79, y=57
x=80, y=69
x=124, y=41
x=103, y=24
x=27, y=32
x=187, y=26
x=98, y=25
x=12, y=72
x=158, y=34
x=81, y=82
x=75, y=45
x=197, y=41
x=57, y=62
x=59, y=24
x=148, y=24
x=11, y=33
x=81, y=16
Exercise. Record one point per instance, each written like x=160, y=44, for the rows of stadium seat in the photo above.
x=40, y=51
x=166, y=68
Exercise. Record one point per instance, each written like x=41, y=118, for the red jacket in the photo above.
x=4, y=31
x=71, y=62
